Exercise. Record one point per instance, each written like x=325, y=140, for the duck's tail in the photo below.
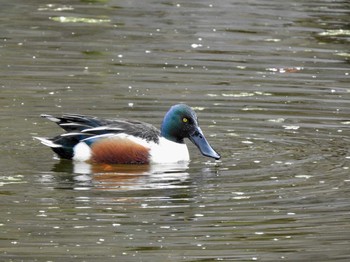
x=63, y=145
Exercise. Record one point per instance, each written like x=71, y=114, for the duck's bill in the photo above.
x=201, y=142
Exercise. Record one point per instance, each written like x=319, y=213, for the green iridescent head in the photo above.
x=181, y=122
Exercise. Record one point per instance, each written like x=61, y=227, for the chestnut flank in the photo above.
x=119, y=151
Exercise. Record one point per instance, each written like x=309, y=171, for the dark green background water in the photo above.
x=270, y=83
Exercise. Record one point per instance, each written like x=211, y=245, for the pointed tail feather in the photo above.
x=47, y=142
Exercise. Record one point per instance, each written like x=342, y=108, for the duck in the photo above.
x=122, y=141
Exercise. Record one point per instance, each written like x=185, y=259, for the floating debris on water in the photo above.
x=285, y=69
x=72, y=19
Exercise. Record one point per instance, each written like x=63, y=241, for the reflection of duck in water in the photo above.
x=119, y=141
x=123, y=177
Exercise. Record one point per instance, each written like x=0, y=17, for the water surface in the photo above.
x=270, y=83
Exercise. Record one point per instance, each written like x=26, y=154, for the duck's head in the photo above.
x=181, y=122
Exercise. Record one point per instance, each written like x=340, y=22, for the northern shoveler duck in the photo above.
x=120, y=141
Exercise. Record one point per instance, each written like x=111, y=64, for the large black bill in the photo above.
x=199, y=140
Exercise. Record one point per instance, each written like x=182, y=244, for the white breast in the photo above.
x=168, y=152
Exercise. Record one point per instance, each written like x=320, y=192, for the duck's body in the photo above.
x=118, y=141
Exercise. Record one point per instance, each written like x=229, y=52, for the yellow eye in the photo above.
x=185, y=120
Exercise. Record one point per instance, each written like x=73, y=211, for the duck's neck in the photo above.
x=168, y=135
x=168, y=131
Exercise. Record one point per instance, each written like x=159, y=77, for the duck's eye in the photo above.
x=185, y=119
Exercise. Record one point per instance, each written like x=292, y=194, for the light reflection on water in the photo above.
x=269, y=81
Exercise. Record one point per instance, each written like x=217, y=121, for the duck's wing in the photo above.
x=90, y=126
x=120, y=126
x=75, y=122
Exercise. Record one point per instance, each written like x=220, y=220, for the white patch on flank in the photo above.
x=82, y=152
